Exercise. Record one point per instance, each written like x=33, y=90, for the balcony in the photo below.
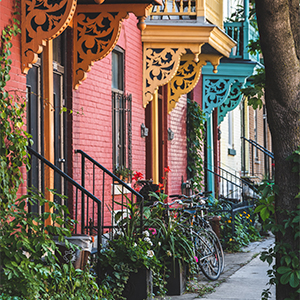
x=190, y=10
x=242, y=33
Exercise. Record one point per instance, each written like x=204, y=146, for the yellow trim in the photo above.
x=163, y=45
x=188, y=75
x=155, y=141
x=48, y=121
x=188, y=36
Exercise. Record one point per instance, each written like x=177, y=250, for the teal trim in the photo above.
x=210, y=157
x=242, y=33
x=215, y=92
x=218, y=87
x=233, y=100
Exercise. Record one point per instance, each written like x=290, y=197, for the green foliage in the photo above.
x=123, y=256
x=244, y=231
x=255, y=91
x=30, y=268
x=171, y=241
x=195, y=140
x=287, y=268
x=13, y=139
x=123, y=172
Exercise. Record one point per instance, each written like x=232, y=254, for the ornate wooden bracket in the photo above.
x=42, y=21
x=188, y=75
x=96, y=29
x=215, y=92
x=223, y=89
x=96, y=32
x=160, y=65
x=233, y=100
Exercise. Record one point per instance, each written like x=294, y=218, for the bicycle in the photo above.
x=194, y=208
x=205, y=247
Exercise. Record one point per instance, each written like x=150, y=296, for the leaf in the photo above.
x=264, y=213
x=285, y=278
x=283, y=269
x=294, y=280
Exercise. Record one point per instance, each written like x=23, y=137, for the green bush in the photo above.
x=29, y=267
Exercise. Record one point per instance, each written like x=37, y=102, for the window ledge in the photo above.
x=231, y=152
x=116, y=189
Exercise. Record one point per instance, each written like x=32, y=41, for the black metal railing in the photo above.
x=113, y=192
x=231, y=186
x=259, y=156
x=232, y=208
x=73, y=189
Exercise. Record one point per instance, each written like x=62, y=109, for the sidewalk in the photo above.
x=244, y=277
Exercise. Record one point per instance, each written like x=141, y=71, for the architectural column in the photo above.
x=155, y=140
x=210, y=156
x=48, y=121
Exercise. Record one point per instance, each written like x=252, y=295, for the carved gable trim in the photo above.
x=41, y=21
x=96, y=32
x=233, y=100
x=160, y=65
x=188, y=75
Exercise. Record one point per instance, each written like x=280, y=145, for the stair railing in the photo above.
x=77, y=191
x=269, y=161
x=113, y=192
x=230, y=185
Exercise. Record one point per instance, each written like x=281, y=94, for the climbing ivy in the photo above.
x=195, y=138
x=13, y=137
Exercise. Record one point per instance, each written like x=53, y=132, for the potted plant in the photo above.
x=129, y=262
x=123, y=173
x=172, y=246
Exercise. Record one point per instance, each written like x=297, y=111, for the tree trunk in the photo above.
x=279, y=29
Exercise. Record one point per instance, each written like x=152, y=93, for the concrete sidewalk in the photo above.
x=244, y=277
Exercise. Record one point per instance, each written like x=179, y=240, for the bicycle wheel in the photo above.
x=202, y=224
x=219, y=246
x=207, y=254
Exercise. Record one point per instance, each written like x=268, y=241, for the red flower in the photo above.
x=163, y=178
x=137, y=176
x=167, y=169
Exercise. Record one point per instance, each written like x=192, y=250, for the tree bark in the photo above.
x=279, y=29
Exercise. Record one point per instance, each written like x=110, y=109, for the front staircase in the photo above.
x=92, y=202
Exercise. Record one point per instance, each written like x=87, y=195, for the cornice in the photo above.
x=188, y=35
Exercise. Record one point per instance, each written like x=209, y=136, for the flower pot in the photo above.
x=215, y=224
x=176, y=283
x=78, y=257
x=139, y=285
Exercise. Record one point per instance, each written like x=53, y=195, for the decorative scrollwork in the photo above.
x=42, y=20
x=215, y=92
x=188, y=75
x=95, y=35
x=231, y=102
x=160, y=65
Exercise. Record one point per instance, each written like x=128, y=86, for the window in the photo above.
x=230, y=130
x=255, y=135
x=121, y=111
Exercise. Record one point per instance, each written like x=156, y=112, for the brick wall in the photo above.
x=177, y=148
x=92, y=130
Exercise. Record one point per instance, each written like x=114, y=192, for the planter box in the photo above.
x=176, y=283
x=139, y=286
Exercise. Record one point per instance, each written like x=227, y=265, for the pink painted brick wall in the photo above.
x=92, y=130
x=177, y=148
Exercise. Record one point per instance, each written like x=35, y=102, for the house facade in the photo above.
x=106, y=85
